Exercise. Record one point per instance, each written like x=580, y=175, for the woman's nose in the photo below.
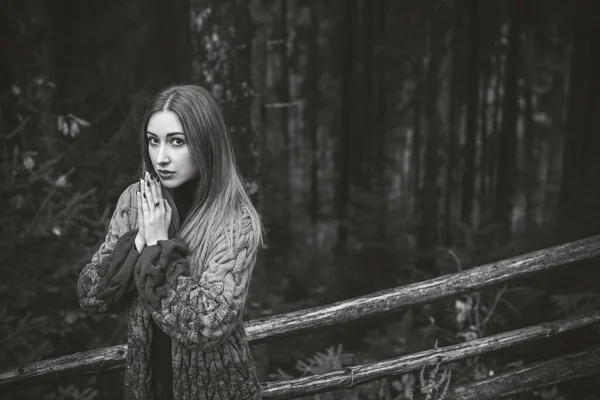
x=163, y=157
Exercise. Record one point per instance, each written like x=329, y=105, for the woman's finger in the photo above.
x=145, y=192
x=141, y=219
x=143, y=189
x=149, y=193
x=157, y=198
x=167, y=211
x=159, y=189
x=140, y=214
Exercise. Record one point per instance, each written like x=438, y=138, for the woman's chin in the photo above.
x=170, y=183
x=173, y=183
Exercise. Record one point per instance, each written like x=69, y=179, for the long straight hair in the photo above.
x=220, y=194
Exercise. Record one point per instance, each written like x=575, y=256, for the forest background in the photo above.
x=384, y=142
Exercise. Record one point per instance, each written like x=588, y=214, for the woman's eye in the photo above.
x=176, y=142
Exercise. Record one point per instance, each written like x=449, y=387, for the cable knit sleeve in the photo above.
x=198, y=310
x=105, y=283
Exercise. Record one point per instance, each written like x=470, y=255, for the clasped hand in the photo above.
x=154, y=213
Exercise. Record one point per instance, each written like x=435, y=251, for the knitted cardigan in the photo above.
x=198, y=306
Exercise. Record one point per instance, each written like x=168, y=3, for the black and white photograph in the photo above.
x=300, y=199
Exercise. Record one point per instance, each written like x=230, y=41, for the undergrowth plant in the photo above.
x=50, y=215
x=432, y=385
x=42, y=186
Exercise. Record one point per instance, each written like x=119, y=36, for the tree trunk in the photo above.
x=468, y=181
x=368, y=103
x=378, y=104
x=489, y=75
x=347, y=124
x=530, y=178
x=328, y=102
x=362, y=107
x=277, y=137
x=415, y=153
x=505, y=189
x=494, y=140
x=428, y=227
x=312, y=113
x=484, y=158
x=223, y=46
x=454, y=120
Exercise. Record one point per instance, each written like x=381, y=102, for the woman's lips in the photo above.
x=166, y=174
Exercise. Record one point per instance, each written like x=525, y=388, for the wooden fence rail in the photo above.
x=360, y=374
x=531, y=377
x=372, y=305
x=393, y=300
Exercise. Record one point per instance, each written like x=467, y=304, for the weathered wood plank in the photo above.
x=531, y=377
x=338, y=313
x=93, y=361
x=419, y=293
x=357, y=375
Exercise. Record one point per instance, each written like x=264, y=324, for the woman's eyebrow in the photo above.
x=168, y=134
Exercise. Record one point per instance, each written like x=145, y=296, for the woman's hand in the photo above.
x=140, y=239
x=156, y=212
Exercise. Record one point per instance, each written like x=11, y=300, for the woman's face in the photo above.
x=169, y=150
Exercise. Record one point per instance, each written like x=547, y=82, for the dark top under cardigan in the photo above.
x=161, y=343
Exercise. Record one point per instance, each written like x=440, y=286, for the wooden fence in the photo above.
x=515, y=381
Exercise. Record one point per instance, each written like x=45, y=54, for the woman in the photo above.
x=179, y=253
